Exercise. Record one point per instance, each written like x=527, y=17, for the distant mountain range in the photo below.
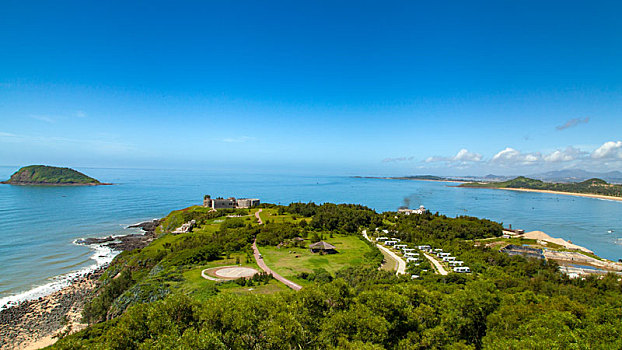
x=560, y=176
x=564, y=176
x=577, y=175
x=592, y=186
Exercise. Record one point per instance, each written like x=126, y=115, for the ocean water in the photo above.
x=39, y=224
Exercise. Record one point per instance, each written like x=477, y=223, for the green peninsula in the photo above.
x=591, y=187
x=170, y=295
x=50, y=175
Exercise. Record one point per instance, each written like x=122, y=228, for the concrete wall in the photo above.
x=248, y=202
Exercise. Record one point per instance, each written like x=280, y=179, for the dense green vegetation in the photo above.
x=154, y=298
x=591, y=186
x=49, y=175
x=346, y=218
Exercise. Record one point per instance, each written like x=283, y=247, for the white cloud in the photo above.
x=506, y=154
x=80, y=114
x=567, y=155
x=606, y=157
x=608, y=150
x=465, y=156
x=510, y=156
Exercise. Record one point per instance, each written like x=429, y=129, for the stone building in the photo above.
x=247, y=202
x=229, y=203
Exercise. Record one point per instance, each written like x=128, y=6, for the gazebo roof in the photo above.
x=322, y=245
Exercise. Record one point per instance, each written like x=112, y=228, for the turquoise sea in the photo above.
x=39, y=224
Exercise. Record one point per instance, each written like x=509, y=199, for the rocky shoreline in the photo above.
x=34, y=324
x=30, y=322
x=127, y=242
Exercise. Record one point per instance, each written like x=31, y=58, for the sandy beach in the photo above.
x=429, y=180
x=541, y=236
x=564, y=193
x=34, y=324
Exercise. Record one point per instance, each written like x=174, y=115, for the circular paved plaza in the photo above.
x=229, y=272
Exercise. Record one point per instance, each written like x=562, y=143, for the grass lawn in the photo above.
x=351, y=251
x=273, y=287
x=200, y=288
x=273, y=216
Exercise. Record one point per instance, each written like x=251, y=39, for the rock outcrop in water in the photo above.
x=127, y=242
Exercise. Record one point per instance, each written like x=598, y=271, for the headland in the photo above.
x=592, y=188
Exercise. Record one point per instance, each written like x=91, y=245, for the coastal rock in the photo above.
x=29, y=321
x=90, y=240
x=126, y=242
x=25, y=323
x=147, y=225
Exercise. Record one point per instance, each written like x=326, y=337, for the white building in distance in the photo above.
x=407, y=211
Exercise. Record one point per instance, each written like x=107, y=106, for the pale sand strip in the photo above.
x=539, y=235
x=559, y=192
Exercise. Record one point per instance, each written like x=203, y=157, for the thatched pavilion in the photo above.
x=322, y=248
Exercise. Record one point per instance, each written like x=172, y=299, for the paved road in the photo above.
x=401, y=264
x=439, y=268
x=266, y=269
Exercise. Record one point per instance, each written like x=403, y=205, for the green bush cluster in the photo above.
x=344, y=218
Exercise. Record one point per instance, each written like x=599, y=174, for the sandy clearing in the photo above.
x=235, y=272
x=539, y=235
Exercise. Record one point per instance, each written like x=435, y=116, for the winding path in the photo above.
x=263, y=265
x=401, y=264
x=259, y=217
x=439, y=268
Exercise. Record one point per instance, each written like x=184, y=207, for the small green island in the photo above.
x=592, y=187
x=50, y=175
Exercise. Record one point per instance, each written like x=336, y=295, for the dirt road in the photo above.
x=401, y=264
x=439, y=268
x=263, y=265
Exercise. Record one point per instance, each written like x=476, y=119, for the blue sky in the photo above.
x=378, y=88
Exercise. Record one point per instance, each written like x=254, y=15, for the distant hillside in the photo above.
x=421, y=177
x=590, y=186
x=49, y=175
x=578, y=175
